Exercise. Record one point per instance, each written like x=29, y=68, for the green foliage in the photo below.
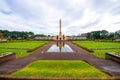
x=103, y=34
x=1, y=36
x=60, y=68
x=19, y=35
x=99, y=44
x=117, y=34
x=16, y=34
x=97, y=34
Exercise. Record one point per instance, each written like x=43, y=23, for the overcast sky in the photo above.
x=42, y=16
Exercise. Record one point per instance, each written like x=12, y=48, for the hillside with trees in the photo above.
x=17, y=35
x=103, y=34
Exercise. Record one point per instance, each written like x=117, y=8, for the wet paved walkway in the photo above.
x=107, y=66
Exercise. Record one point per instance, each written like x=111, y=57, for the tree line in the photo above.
x=101, y=34
x=18, y=35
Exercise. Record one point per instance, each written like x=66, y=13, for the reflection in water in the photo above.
x=60, y=47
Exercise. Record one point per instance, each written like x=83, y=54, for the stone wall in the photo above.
x=110, y=56
x=8, y=57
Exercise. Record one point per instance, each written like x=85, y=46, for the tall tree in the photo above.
x=1, y=36
x=104, y=34
x=117, y=34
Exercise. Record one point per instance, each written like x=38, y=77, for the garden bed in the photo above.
x=113, y=56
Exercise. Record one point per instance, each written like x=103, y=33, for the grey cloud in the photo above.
x=116, y=10
x=42, y=16
x=90, y=24
x=25, y=11
x=116, y=23
x=103, y=6
x=6, y=12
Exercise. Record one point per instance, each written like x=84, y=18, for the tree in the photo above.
x=110, y=35
x=117, y=34
x=1, y=36
x=104, y=34
x=30, y=34
x=96, y=34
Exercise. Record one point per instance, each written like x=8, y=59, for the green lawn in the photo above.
x=19, y=52
x=96, y=44
x=27, y=44
x=60, y=68
x=101, y=53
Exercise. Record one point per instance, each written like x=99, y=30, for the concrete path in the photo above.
x=106, y=66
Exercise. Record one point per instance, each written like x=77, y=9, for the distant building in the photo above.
x=77, y=38
x=42, y=38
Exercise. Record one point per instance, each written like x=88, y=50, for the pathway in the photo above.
x=107, y=66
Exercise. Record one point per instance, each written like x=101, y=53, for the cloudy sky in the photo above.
x=42, y=16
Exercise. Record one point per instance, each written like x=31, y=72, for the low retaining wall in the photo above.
x=9, y=56
x=113, y=57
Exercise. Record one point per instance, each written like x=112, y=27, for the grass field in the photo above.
x=95, y=44
x=19, y=52
x=27, y=44
x=60, y=68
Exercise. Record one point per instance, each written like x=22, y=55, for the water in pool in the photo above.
x=60, y=47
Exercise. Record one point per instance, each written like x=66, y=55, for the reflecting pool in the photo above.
x=60, y=47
